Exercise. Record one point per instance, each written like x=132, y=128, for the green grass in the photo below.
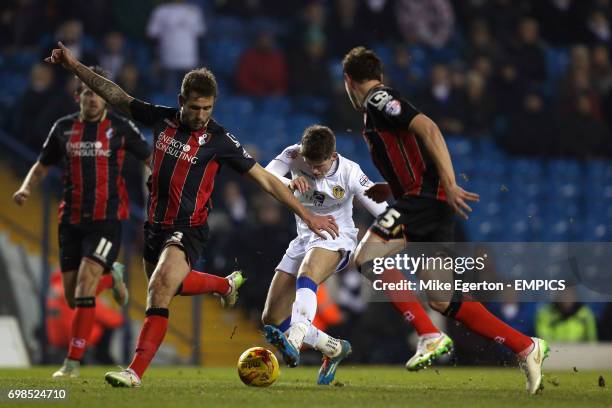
x=360, y=386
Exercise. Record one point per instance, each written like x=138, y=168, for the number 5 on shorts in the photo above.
x=388, y=220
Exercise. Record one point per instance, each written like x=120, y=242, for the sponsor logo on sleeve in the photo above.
x=379, y=99
x=364, y=180
x=393, y=107
x=291, y=153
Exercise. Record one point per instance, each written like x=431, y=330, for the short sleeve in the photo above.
x=288, y=155
x=234, y=155
x=135, y=141
x=358, y=184
x=391, y=109
x=51, y=151
x=149, y=114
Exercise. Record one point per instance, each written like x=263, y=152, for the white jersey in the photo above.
x=329, y=195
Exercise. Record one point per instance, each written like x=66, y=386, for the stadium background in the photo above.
x=522, y=90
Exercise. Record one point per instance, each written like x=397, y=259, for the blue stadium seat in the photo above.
x=238, y=105
x=460, y=146
x=164, y=99
x=21, y=60
x=223, y=55
x=528, y=168
x=557, y=60
x=599, y=170
x=562, y=169
x=298, y=122
x=277, y=105
x=226, y=28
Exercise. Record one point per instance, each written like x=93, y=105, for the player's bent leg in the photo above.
x=82, y=323
x=531, y=352
x=69, y=280
x=170, y=271
x=318, y=265
x=149, y=268
x=276, y=316
x=120, y=289
x=165, y=280
x=432, y=342
x=281, y=294
x=199, y=283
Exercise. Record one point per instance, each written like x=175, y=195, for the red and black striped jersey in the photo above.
x=185, y=164
x=91, y=155
x=398, y=153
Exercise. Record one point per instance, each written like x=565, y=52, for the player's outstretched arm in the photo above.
x=32, y=179
x=272, y=185
x=429, y=132
x=111, y=92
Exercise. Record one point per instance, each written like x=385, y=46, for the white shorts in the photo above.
x=345, y=243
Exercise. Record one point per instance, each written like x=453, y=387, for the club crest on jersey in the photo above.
x=393, y=107
x=109, y=133
x=203, y=139
x=338, y=192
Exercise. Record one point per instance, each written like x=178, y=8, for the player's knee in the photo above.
x=439, y=306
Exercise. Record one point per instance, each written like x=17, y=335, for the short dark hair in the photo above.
x=200, y=80
x=318, y=143
x=362, y=64
x=96, y=69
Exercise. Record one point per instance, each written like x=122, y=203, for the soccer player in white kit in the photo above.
x=325, y=183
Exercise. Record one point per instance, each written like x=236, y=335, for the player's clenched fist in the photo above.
x=379, y=192
x=21, y=196
x=299, y=184
x=62, y=55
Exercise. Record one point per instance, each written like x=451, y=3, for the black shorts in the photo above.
x=192, y=240
x=99, y=241
x=417, y=219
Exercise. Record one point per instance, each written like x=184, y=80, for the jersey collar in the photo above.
x=82, y=119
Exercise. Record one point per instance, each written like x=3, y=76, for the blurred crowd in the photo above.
x=535, y=76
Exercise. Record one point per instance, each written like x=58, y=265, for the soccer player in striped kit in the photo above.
x=409, y=151
x=90, y=146
x=189, y=148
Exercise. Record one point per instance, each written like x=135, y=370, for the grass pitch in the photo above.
x=359, y=386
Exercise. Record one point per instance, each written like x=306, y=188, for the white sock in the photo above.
x=323, y=342
x=302, y=315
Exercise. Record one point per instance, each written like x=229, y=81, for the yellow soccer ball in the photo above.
x=258, y=367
